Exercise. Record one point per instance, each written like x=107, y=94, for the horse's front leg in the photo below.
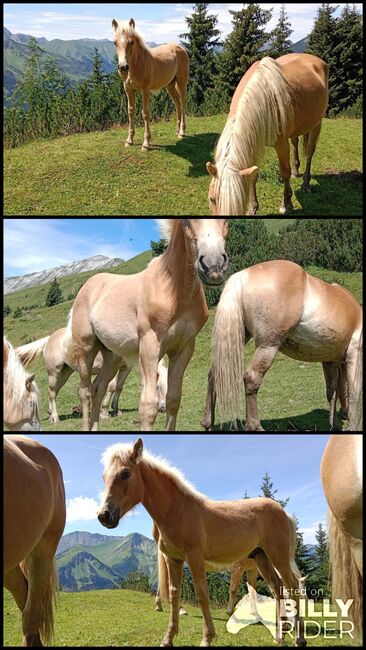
x=177, y=367
x=146, y=117
x=175, y=572
x=131, y=100
x=283, y=153
x=208, y=421
x=253, y=204
x=253, y=378
x=197, y=566
x=236, y=576
x=149, y=361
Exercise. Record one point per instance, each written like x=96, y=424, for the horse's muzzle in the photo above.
x=108, y=519
x=123, y=69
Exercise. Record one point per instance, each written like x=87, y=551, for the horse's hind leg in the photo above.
x=56, y=380
x=107, y=372
x=331, y=374
x=354, y=379
x=310, y=145
x=296, y=160
x=253, y=378
x=17, y=584
x=146, y=117
x=176, y=99
x=283, y=152
x=208, y=421
x=252, y=577
x=37, y=614
x=236, y=576
x=275, y=585
x=343, y=391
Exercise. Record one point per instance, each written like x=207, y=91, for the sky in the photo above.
x=32, y=245
x=222, y=466
x=157, y=22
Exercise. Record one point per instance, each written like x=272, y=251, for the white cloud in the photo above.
x=310, y=531
x=81, y=509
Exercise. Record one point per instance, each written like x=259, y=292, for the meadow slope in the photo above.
x=94, y=174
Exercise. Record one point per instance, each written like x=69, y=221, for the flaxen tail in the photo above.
x=163, y=577
x=228, y=345
x=47, y=621
x=30, y=352
x=346, y=577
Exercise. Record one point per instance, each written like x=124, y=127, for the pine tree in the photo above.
x=242, y=47
x=158, y=247
x=349, y=55
x=323, y=42
x=302, y=557
x=280, y=37
x=54, y=296
x=200, y=42
x=318, y=582
x=269, y=492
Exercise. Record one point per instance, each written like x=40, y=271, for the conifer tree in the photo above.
x=280, y=37
x=54, y=296
x=349, y=55
x=200, y=42
x=269, y=491
x=323, y=41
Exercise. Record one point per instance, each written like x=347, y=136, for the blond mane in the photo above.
x=125, y=28
x=263, y=113
x=166, y=227
x=122, y=452
x=15, y=377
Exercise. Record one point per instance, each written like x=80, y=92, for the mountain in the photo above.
x=98, y=262
x=73, y=58
x=300, y=46
x=86, y=561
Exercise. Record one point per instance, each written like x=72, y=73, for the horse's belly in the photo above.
x=314, y=342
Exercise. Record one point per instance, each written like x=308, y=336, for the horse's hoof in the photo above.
x=301, y=643
x=129, y=144
x=104, y=416
x=180, y=136
x=146, y=147
x=182, y=612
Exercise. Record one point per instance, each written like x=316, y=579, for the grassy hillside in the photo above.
x=127, y=618
x=292, y=395
x=94, y=174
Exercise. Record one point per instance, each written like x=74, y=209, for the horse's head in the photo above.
x=21, y=394
x=124, y=39
x=229, y=191
x=124, y=487
x=207, y=238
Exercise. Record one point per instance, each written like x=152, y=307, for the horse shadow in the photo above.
x=197, y=149
x=337, y=193
x=315, y=421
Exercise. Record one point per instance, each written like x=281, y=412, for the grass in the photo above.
x=94, y=174
x=292, y=396
x=127, y=618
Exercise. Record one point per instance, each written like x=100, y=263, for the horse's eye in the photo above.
x=125, y=475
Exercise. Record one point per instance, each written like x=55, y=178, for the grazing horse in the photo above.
x=21, y=394
x=341, y=472
x=147, y=315
x=57, y=355
x=284, y=309
x=207, y=534
x=34, y=520
x=149, y=70
x=275, y=101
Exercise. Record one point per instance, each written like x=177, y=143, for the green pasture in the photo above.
x=292, y=396
x=94, y=174
x=127, y=618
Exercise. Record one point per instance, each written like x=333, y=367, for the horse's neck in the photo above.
x=160, y=495
x=140, y=59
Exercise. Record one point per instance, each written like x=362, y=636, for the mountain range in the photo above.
x=96, y=263
x=73, y=57
x=88, y=561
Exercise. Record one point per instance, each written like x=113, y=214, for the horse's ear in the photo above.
x=251, y=171
x=6, y=354
x=137, y=450
x=212, y=169
x=29, y=381
x=132, y=23
x=114, y=24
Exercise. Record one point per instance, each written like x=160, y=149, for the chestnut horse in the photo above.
x=284, y=309
x=21, y=394
x=207, y=534
x=149, y=70
x=144, y=316
x=34, y=520
x=274, y=102
x=341, y=472
x=57, y=355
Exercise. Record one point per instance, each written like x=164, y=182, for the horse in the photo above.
x=147, y=315
x=285, y=309
x=57, y=355
x=209, y=535
x=341, y=473
x=21, y=394
x=274, y=101
x=34, y=520
x=149, y=70
x=246, y=565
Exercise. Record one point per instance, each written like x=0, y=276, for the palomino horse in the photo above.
x=284, y=309
x=148, y=70
x=275, y=101
x=57, y=355
x=34, y=520
x=207, y=534
x=341, y=472
x=21, y=394
x=238, y=569
x=147, y=315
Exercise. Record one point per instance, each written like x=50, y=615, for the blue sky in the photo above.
x=221, y=466
x=36, y=244
x=158, y=22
